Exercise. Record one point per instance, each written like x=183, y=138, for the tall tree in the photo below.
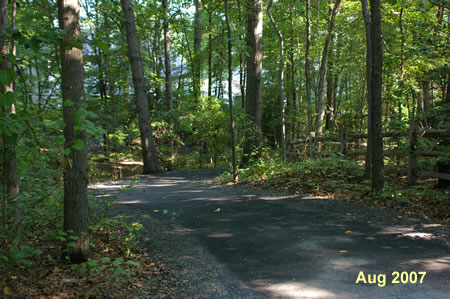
x=149, y=153
x=76, y=166
x=282, y=98
x=323, y=70
x=376, y=100
x=308, y=67
x=230, y=93
x=368, y=158
x=197, y=66
x=253, y=103
x=168, y=71
x=9, y=162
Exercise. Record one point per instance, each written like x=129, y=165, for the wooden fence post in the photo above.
x=312, y=144
x=344, y=141
x=412, y=161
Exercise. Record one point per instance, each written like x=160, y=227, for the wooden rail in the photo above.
x=342, y=141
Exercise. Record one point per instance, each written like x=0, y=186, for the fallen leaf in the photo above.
x=343, y=251
x=6, y=290
x=217, y=210
x=348, y=232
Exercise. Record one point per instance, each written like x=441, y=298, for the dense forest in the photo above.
x=346, y=98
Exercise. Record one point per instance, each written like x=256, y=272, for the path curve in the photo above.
x=234, y=242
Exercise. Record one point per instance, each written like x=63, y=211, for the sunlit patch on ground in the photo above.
x=437, y=264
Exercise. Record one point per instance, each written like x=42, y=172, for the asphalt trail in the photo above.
x=272, y=245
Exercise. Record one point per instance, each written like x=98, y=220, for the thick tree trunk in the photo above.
x=376, y=101
x=149, y=153
x=308, y=68
x=282, y=98
x=76, y=164
x=230, y=93
x=323, y=71
x=197, y=67
x=9, y=172
x=368, y=158
x=253, y=104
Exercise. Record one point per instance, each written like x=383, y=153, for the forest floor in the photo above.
x=216, y=241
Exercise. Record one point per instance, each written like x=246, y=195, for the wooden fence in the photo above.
x=342, y=140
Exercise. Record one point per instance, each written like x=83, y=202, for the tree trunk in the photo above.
x=230, y=93
x=210, y=53
x=197, y=67
x=149, y=153
x=330, y=122
x=169, y=102
x=253, y=104
x=368, y=158
x=308, y=68
x=293, y=85
x=282, y=99
x=376, y=100
x=323, y=71
x=9, y=138
x=241, y=61
x=76, y=164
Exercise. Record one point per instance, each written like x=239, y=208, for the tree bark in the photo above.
x=376, y=100
x=9, y=173
x=253, y=104
x=323, y=71
x=210, y=53
x=308, y=68
x=230, y=93
x=282, y=98
x=149, y=153
x=168, y=69
x=241, y=62
x=197, y=67
x=293, y=84
x=368, y=158
x=76, y=164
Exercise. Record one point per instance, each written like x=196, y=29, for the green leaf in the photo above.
x=78, y=145
x=102, y=46
x=6, y=99
x=118, y=261
x=133, y=263
x=105, y=260
x=59, y=140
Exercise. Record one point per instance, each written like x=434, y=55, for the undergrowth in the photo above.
x=34, y=261
x=340, y=179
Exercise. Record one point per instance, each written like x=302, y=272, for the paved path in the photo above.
x=265, y=245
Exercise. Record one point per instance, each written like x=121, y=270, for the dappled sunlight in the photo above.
x=127, y=202
x=417, y=235
x=395, y=230
x=437, y=264
x=309, y=197
x=408, y=232
x=345, y=263
x=272, y=198
x=223, y=199
x=292, y=290
x=220, y=235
